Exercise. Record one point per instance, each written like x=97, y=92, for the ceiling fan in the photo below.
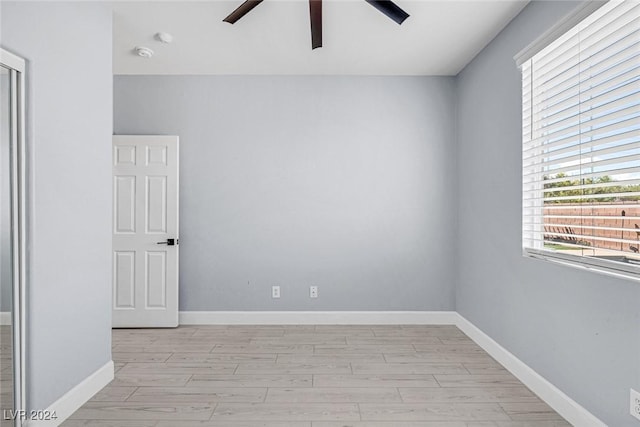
x=387, y=7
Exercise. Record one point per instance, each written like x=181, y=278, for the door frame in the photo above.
x=17, y=67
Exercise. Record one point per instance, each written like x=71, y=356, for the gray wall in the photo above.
x=340, y=182
x=68, y=48
x=580, y=330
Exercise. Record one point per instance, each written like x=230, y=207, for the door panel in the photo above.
x=145, y=215
x=156, y=279
x=156, y=204
x=124, y=155
x=157, y=156
x=124, y=279
x=125, y=204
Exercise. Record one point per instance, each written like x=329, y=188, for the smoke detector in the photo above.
x=144, y=52
x=164, y=37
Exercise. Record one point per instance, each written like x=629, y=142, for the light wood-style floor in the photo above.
x=6, y=374
x=309, y=376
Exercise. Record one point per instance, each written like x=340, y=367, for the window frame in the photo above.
x=629, y=271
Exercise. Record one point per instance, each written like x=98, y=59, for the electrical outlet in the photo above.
x=275, y=292
x=313, y=292
x=634, y=409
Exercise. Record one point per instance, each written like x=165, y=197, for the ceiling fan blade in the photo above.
x=242, y=10
x=315, y=13
x=390, y=9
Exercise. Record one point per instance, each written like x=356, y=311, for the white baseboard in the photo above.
x=318, y=317
x=5, y=318
x=76, y=397
x=573, y=412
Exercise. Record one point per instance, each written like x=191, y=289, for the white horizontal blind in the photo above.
x=581, y=142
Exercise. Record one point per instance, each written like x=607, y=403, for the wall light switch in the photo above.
x=313, y=292
x=275, y=292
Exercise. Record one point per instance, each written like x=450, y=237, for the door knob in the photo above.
x=169, y=242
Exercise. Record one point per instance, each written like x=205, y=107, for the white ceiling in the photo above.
x=439, y=38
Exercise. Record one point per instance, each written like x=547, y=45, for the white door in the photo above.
x=145, y=231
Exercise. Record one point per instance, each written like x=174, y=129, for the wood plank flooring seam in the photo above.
x=310, y=375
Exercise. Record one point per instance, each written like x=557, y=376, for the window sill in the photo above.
x=630, y=271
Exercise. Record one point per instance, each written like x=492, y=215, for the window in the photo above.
x=581, y=143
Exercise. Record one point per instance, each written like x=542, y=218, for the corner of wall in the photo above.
x=456, y=173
